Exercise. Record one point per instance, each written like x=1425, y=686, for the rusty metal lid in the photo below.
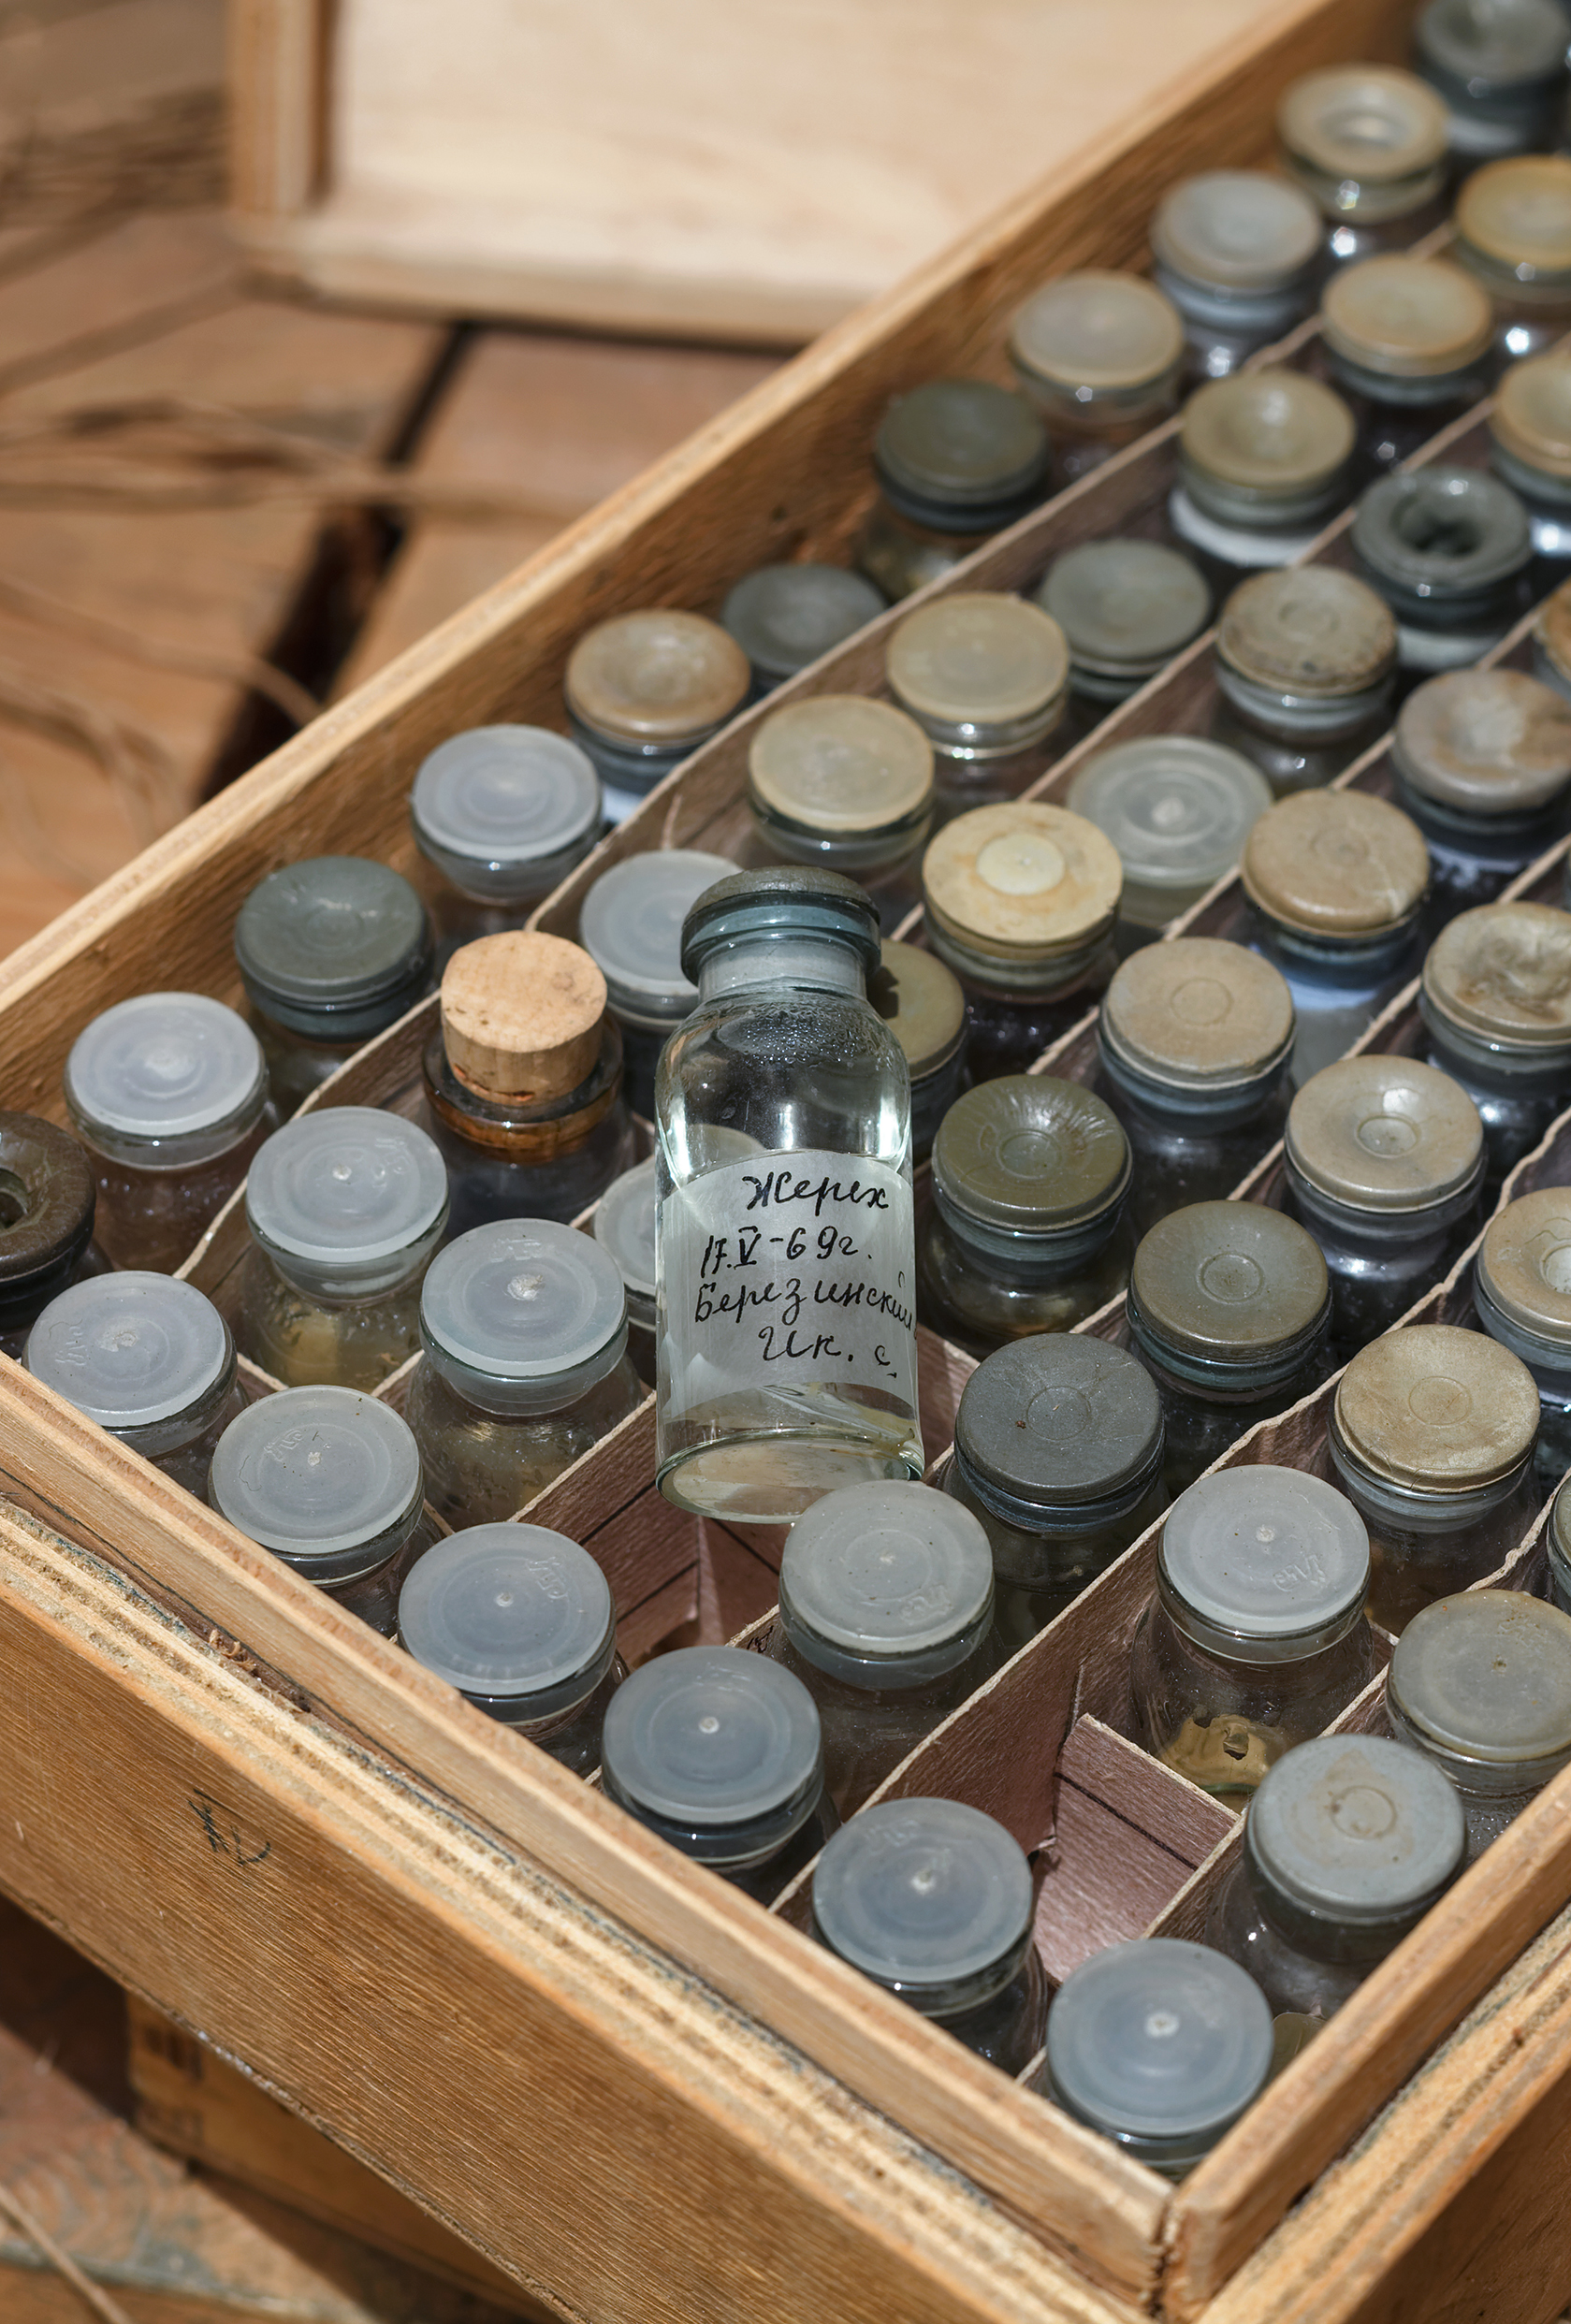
x=1491, y=742
x=1197, y=1011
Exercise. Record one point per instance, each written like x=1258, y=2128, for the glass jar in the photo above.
x=329, y=1482
x=935, y=1902
x=523, y=1324
x=1099, y=355
x=1557, y=1547
x=332, y=952
x=501, y=814
x=1481, y=1684
x=956, y=460
x=1264, y=463
x=1305, y=669
x=1337, y=880
x=1021, y=901
x=1125, y=608
x=47, y=1198
x=1059, y=1453
x=644, y=690
x=625, y=1226
x=1254, y=1639
x=1160, y=2045
x=1501, y=72
x=1238, y=252
x=844, y=783
x=783, y=1107
x=1522, y=1293
x=1177, y=810
x=923, y=1005
x=523, y=1082
x=1026, y=1232
x=168, y=1093
x=1431, y=1434
x=987, y=677
x=1530, y=449
x=1482, y=761
x=1513, y=231
x=1449, y=549
x=1496, y=1004
x=631, y=927
x=886, y=1616
x=521, y=1621
x=784, y=617
x=345, y=1209
x=1368, y=144
x=717, y=1752
x=1194, y=1043
x=149, y=1359
x=1410, y=344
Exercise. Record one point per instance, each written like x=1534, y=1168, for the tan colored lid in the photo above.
x=1229, y=1281
x=1335, y=863
x=1272, y=430
x=1552, y=629
x=1440, y=1408
x=1384, y=1134
x=921, y=1003
x=841, y=763
x=1309, y=631
x=1496, y=742
x=978, y=658
x=1505, y=971
x=657, y=676
x=1407, y=318
x=1525, y=1262
x=1371, y=123
x=1098, y=330
x=1519, y=211
x=521, y=1015
x=1021, y=881
x=1240, y=229
x=1532, y=414
x=1199, y=1010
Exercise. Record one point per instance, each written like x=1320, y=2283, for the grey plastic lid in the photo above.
x=1439, y=528
x=511, y=1613
x=1262, y=1556
x=1356, y=1829
x=624, y=1225
x=313, y=1473
x=926, y=1896
x=1486, y=1676
x=1059, y=1419
x=1237, y=230
x=1177, y=808
x=898, y=1578
x=330, y=932
x=163, y=1065
x=784, y=617
x=131, y=1349
x=631, y=927
x=711, y=1740
x=504, y=798
x=787, y=900
x=962, y=443
x=1124, y=605
x=522, y=1299
x=1524, y=41
x=351, y=1184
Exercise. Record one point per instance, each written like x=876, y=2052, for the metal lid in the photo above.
x=1265, y=1554
x=1437, y=1407
x=313, y=1472
x=1236, y=230
x=1407, y=318
x=1518, y=211
x=962, y=443
x=48, y=1193
x=1229, y=1282
x=712, y=1737
x=923, y=1894
x=1059, y=1417
x=978, y=658
x=1098, y=330
x=1335, y=863
x=886, y=1573
x=1198, y=1012
x=523, y=1298
x=163, y=1065
x=788, y=899
x=1356, y=1829
x=1531, y=418
x=1490, y=742
x=1125, y=603
x=511, y=1611
x=1177, y=810
x=1158, y=2044
x=1503, y=971
x=1385, y=1134
x=1525, y=1262
x=506, y=797
x=1434, y=528
x=921, y=1003
x=131, y=1349
x=624, y=1225
x=1372, y=123
x=1524, y=41
x=630, y=925
x=840, y=763
x=1274, y=432
x=1031, y=1153
x=660, y=676
x=784, y=617
x=1308, y=631
x=1021, y=881
x=325, y=934
x=1486, y=1676
x=351, y=1183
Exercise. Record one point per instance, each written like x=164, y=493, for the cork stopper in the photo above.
x=1308, y=631
x=840, y=764
x=1335, y=863
x=1491, y=742
x=1022, y=879
x=1532, y=414
x=1385, y=1134
x=1407, y=318
x=521, y=1015
x=1518, y=211
x=1236, y=229
x=1199, y=1012
x=1436, y=1407
x=1372, y=123
x=1503, y=971
x=978, y=658
x=660, y=676
x=1097, y=330
x=1271, y=431
x=1524, y=1263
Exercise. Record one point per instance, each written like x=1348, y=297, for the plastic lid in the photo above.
x=624, y=1225
x=784, y=617
x=1031, y=1153
x=505, y=795
x=1098, y=330
x=1335, y=863
x=1199, y=1012
x=163, y=1065
x=329, y=932
x=1059, y=1417
x=1177, y=808
x=352, y=1183
x=1308, y=631
x=504, y=1611
x=630, y=925
x=788, y=899
x=1356, y=1829
x=1525, y=1262
x=1158, y=2044
x=313, y=1472
x=1437, y=528
x=1385, y=1134
x=921, y=1003
x=1021, y=881
x=1437, y=1407
x=1503, y=971
x=1407, y=318
x=1272, y=430
x=1125, y=603
x=657, y=677
x=840, y=763
x=978, y=658
x=1486, y=1675
x=1229, y=1281
x=710, y=1737
x=1491, y=742
x=1236, y=229
x=1531, y=414
x=522, y=1015
x=923, y=1894
x=48, y=1193
x=963, y=443
x=1265, y=1552
x=1522, y=41
x=885, y=1573
x=522, y=1299
x=131, y=1349
x=1518, y=212
x=1370, y=122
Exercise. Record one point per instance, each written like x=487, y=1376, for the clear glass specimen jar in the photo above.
x=923, y=1005
x=1229, y=1309
x=1305, y=667
x=956, y=460
x=1482, y=760
x=886, y=1617
x=1254, y=1639
x=624, y=1225
x=1026, y=1230
x=1125, y=608
x=846, y=784
x=1384, y=1161
x=787, y=1270
x=47, y=1198
x=501, y=814
x=1194, y=1043
x=1410, y=344
x=1500, y=71
x=331, y=952
x=935, y=1902
x=1059, y=1453
x=644, y=690
x=168, y=1093
x=150, y=1360
x=1495, y=1001
x=1100, y=357
x=1530, y=431
x=1160, y=2045
x=631, y=927
x=1337, y=880
x=719, y=1751
x=523, y=1081
x=1432, y=1435
x=1021, y=900
x=1557, y=1547
x=521, y=1621
x=1513, y=231
x=1178, y=809
x=784, y=617
x=523, y=1329
x=1449, y=549
x=1481, y=1684
x=1238, y=252
x=1521, y=1291
x=987, y=677
x=1264, y=463
x=1368, y=144
x=345, y=1209
x=329, y=1481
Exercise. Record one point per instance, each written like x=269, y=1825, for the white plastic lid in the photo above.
x=130, y=1349
x=163, y=1065
x=624, y=1225
x=631, y=927
x=888, y=1574
x=506, y=796
x=923, y=1893
x=1356, y=1829
x=348, y=1184
x=1160, y=2043
x=523, y=1298
x=1265, y=1554
x=1177, y=808
x=513, y=1611
x=711, y=1737
x=313, y=1472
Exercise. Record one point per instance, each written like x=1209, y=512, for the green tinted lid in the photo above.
x=784, y=617
x=963, y=443
x=1229, y=1282
x=788, y=900
x=1059, y=1417
x=1487, y=1676
x=1031, y=1153
x=330, y=932
x=921, y=1003
x=1480, y=45
x=1125, y=604
x=1439, y=528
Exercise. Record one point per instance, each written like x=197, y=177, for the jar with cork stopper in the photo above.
x=501, y=814
x=1368, y=144
x=985, y=676
x=1100, y=355
x=1521, y=1291
x=1306, y=665
x=956, y=460
x=1513, y=231
x=1265, y=461
x=1238, y=252
x=1409, y=341
x=1530, y=447
x=1495, y=1000
x=1482, y=761
x=644, y=690
x=47, y=1200
x=845, y=784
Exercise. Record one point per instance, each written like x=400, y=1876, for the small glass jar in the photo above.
x=784, y=617
x=624, y=1225
x=1513, y=231
x=1431, y=1434
x=1178, y=809
x=150, y=1360
x=1059, y=1453
x=1495, y=1001
x=956, y=460
x=47, y=1198
x=501, y=814
x=1530, y=448
x=1264, y=463
x=923, y=1005
x=1100, y=357
x=523, y=1326
x=1449, y=549
x=1522, y=1293
x=1254, y=1639
x=644, y=690
x=935, y=1902
x=1410, y=344
x=1337, y=880
x=886, y=1617
x=1125, y=608
x=1194, y=1043
x=986, y=678
x=1368, y=144
x=1160, y=2045
x=332, y=952
x=717, y=1752
x=1238, y=252
x=523, y=1082
x=1229, y=1308
x=345, y=1209
x=1306, y=668
x=844, y=783
x=1026, y=1232
x=1481, y=1684
x=1385, y=1162
x=1021, y=901
x=1482, y=761
x=1501, y=72
x=521, y=1621
x=631, y=927
x=168, y=1093
x=328, y=1481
